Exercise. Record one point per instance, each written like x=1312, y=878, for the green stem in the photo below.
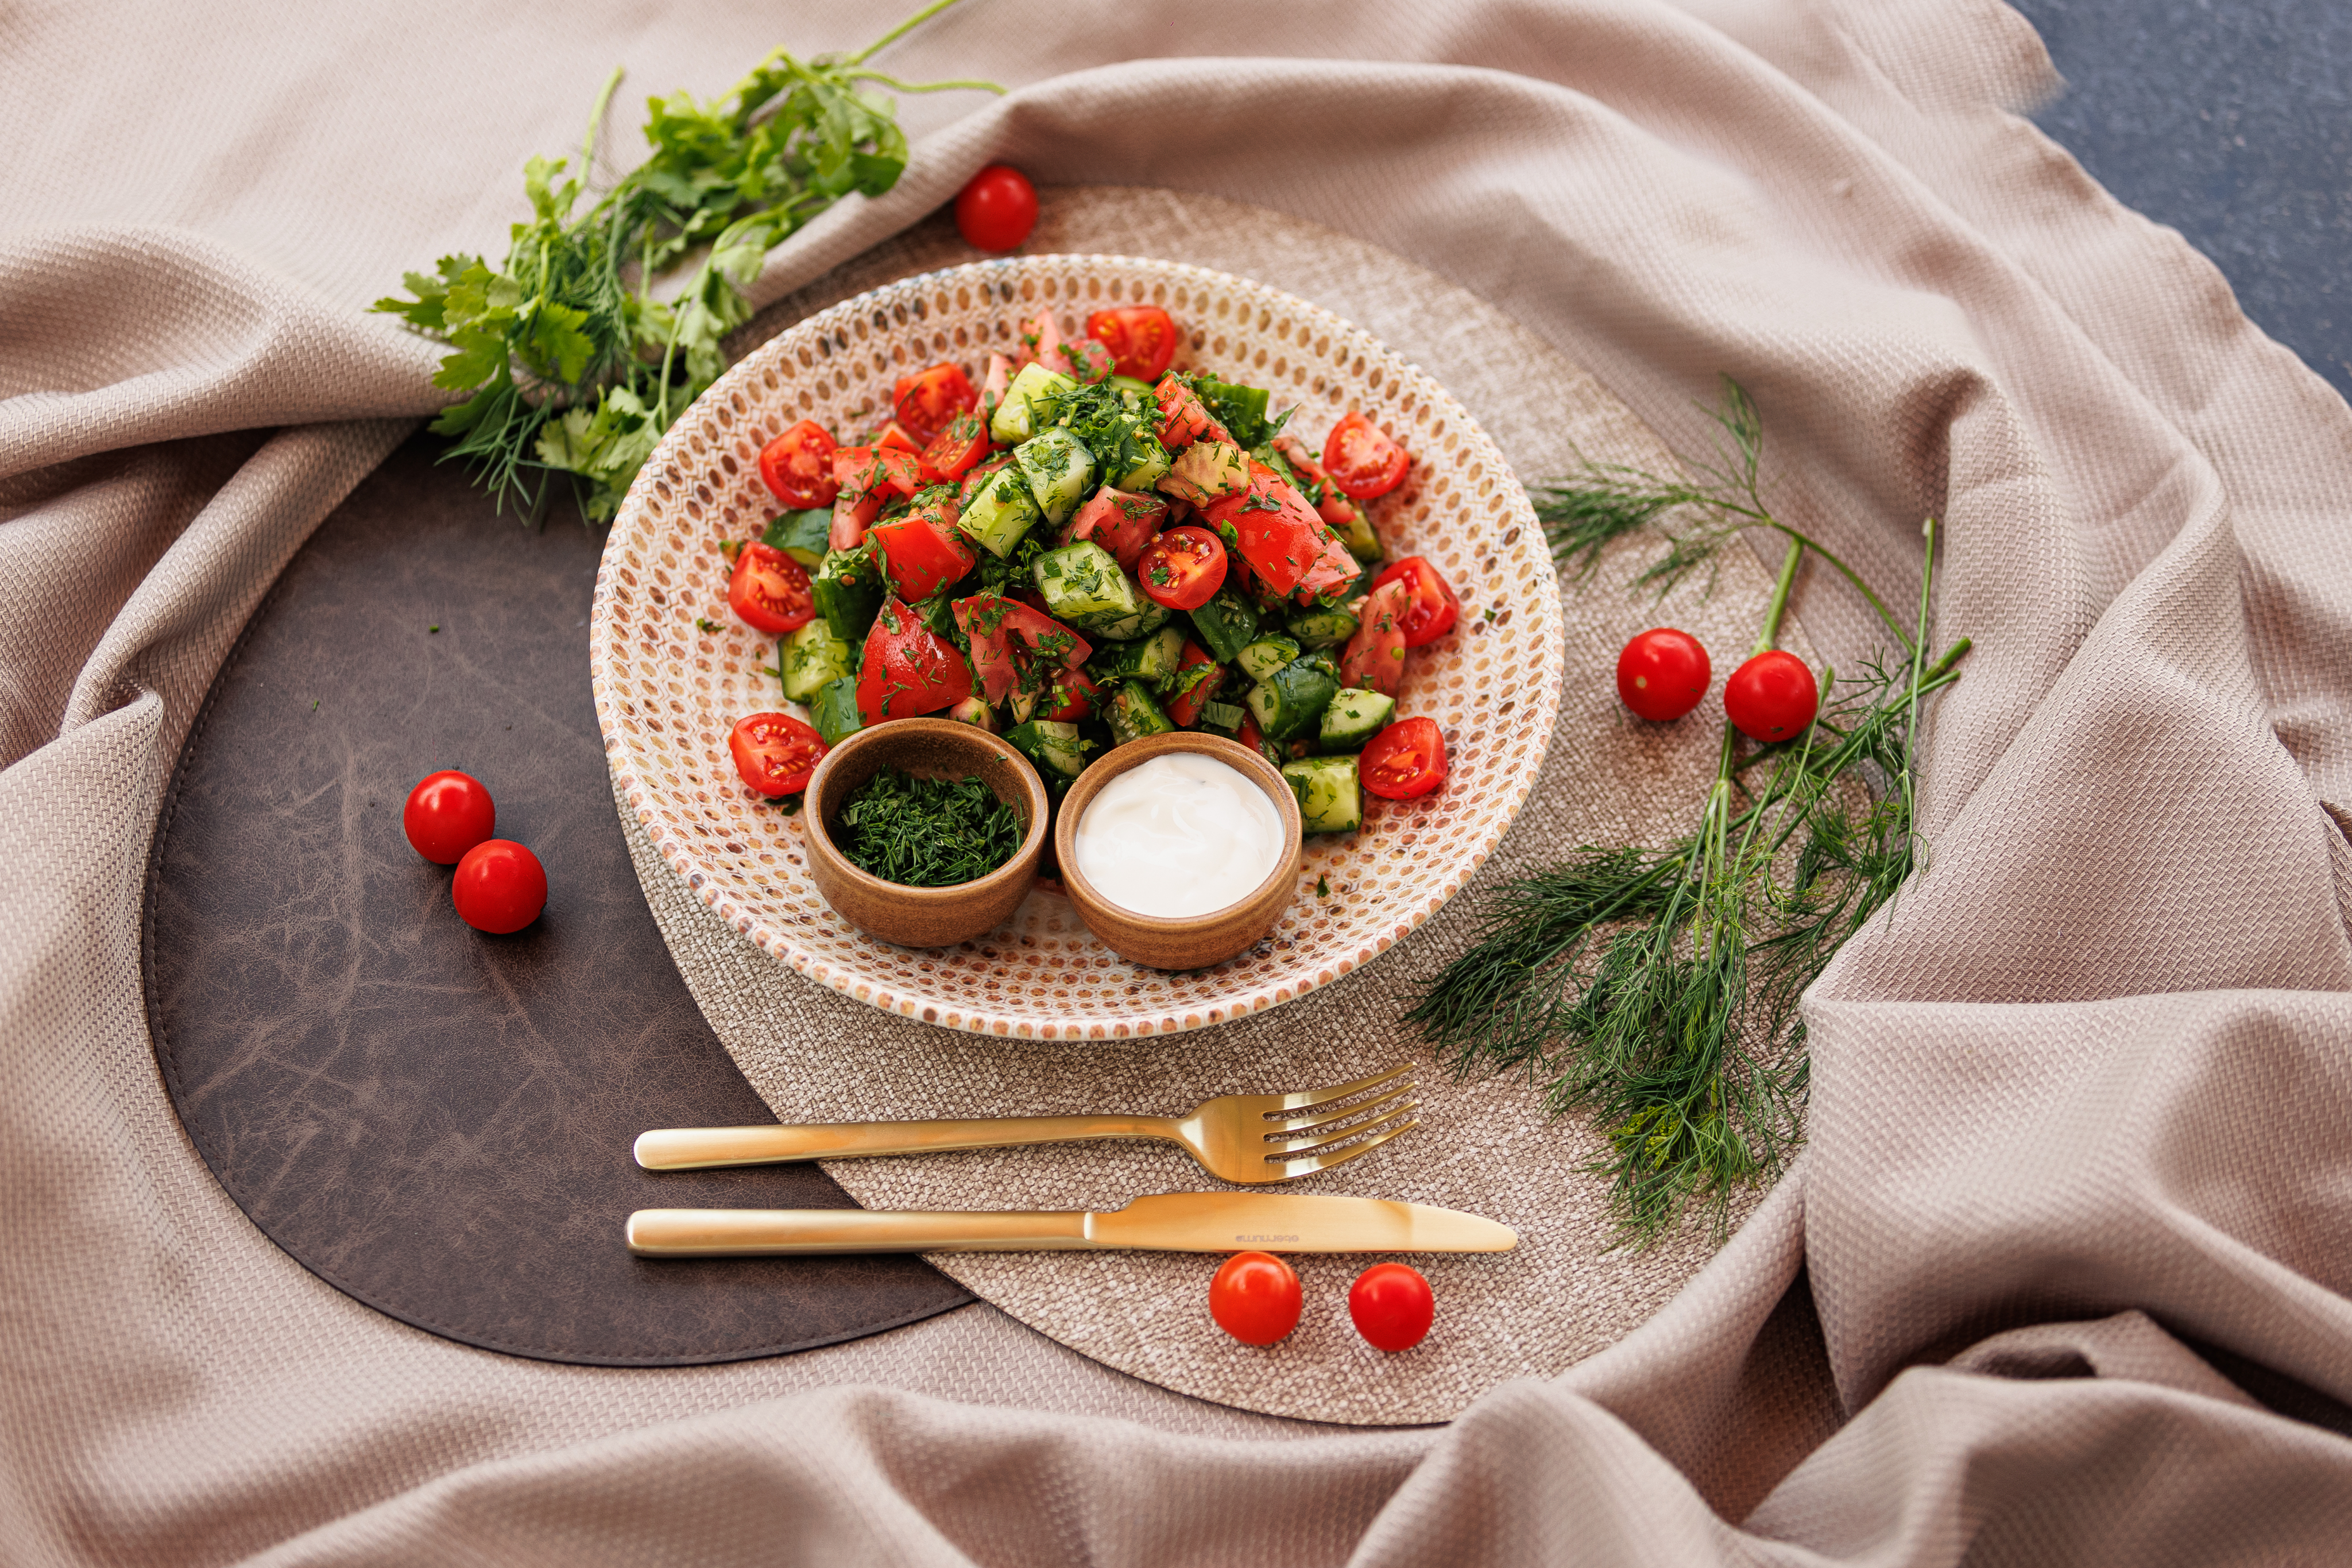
x=595, y=118
x=1772, y=612
x=899, y=32
x=892, y=81
x=1844, y=570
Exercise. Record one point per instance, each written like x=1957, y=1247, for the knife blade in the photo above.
x=1167, y=1222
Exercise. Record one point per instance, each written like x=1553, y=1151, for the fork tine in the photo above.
x=1310, y=1128
x=1324, y=1096
x=1349, y=1135
x=1306, y=1165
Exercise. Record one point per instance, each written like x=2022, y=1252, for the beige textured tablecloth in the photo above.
x=2080, y=1124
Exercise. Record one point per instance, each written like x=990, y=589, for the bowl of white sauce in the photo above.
x=1180, y=849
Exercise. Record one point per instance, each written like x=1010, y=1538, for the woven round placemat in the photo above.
x=1486, y=1144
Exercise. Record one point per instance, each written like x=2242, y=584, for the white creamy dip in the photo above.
x=1180, y=835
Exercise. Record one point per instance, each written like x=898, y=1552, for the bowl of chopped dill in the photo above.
x=924, y=832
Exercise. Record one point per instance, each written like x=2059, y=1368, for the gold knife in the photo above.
x=1171, y=1222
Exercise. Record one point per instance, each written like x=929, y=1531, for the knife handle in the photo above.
x=710, y=1232
x=693, y=1148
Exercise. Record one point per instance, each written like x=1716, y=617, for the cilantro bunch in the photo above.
x=574, y=366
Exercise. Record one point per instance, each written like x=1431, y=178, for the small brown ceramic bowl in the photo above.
x=928, y=749
x=1193, y=941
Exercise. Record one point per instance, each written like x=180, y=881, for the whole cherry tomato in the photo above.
x=1662, y=673
x=996, y=210
x=1433, y=607
x=1771, y=696
x=769, y=590
x=775, y=753
x=1254, y=1298
x=1404, y=761
x=447, y=813
x=1141, y=338
x=499, y=887
x=1393, y=1306
x=1182, y=569
x=798, y=467
x=1361, y=459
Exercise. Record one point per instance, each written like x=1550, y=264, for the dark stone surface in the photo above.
x=437, y=1122
x=2232, y=122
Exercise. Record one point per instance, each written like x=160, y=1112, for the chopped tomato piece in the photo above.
x=775, y=753
x=1329, y=501
x=894, y=435
x=1361, y=459
x=1274, y=528
x=1249, y=737
x=975, y=478
x=798, y=466
x=1120, y=521
x=924, y=551
x=769, y=590
x=1040, y=335
x=1433, y=606
x=1183, y=567
x=958, y=448
x=850, y=516
x=1070, y=695
x=927, y=402
x=1184, y=706
x=1374, y=661
x=877, y=470
x=1140, y=337
x=909, y=669
x=1183, y=418
x=1404, y=761
x=1007, y=636
x=991, y=389
x=1332, y=572
x=1083, y=358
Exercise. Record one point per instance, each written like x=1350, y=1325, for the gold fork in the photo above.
x=1248, y=1138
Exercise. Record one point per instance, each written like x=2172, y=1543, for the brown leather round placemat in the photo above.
x=435, y=1122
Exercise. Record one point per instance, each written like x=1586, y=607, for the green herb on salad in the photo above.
x=928, y=833
x=1655, y=989
x=576, y=367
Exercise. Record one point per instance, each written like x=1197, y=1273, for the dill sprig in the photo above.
x=574, y=366
x=1656, y=989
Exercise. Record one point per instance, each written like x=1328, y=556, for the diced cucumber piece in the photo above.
x=1152, y=659
x=802, y=535
x=1132, y=715
x=1223, y=718
x=1149, y=467
x=1227, y=624
x=1239, y=409
x=1130, y=384
x=1058, y=467
x=1017, y=416
x=1265, y=655
x=1208, y=469
x=848, y=588
x=974, y=711
x=1354, y=717
x=1290, y=702
x=835, y=711
x=1083, y=586
x=812, y=658
x=999, y=513
x=1055, y=748
x=1362, y=540
x=1144, y=621
x=1329, y=799
x=1322, y=628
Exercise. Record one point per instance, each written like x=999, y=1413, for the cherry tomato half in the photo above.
x=1140, y=337
x=1771, y=696
x=927, y=402
x=500, y=887
x=1433, y=607
x=956, y=450
x=1069, y=696
x=447, y=813
x=998, y=207
x=1182, y=569
x=769, y=590
x=1361, y=459
x=1662, y=673
x=1393, y=1306
x=1254, y=1298
x=1404, y=761
x=798, y=467
x=775, y=752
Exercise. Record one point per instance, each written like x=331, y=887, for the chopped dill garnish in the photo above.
x=928, y=833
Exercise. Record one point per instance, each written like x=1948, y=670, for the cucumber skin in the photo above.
x=1142, y=623
x=812, y=658
x=1133, y=714
x=1355, y=730
x=801, y=535
x=1084, y=588
x=1227, y=624
x=1292, y=701
x=834, y=710
x=1322, y=628
x=1262, y=658
x=1152, y=659
x=1330, y=798
x=1055, y=747
x=847, y=590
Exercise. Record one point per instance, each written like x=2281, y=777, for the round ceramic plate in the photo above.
x=674, y=669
